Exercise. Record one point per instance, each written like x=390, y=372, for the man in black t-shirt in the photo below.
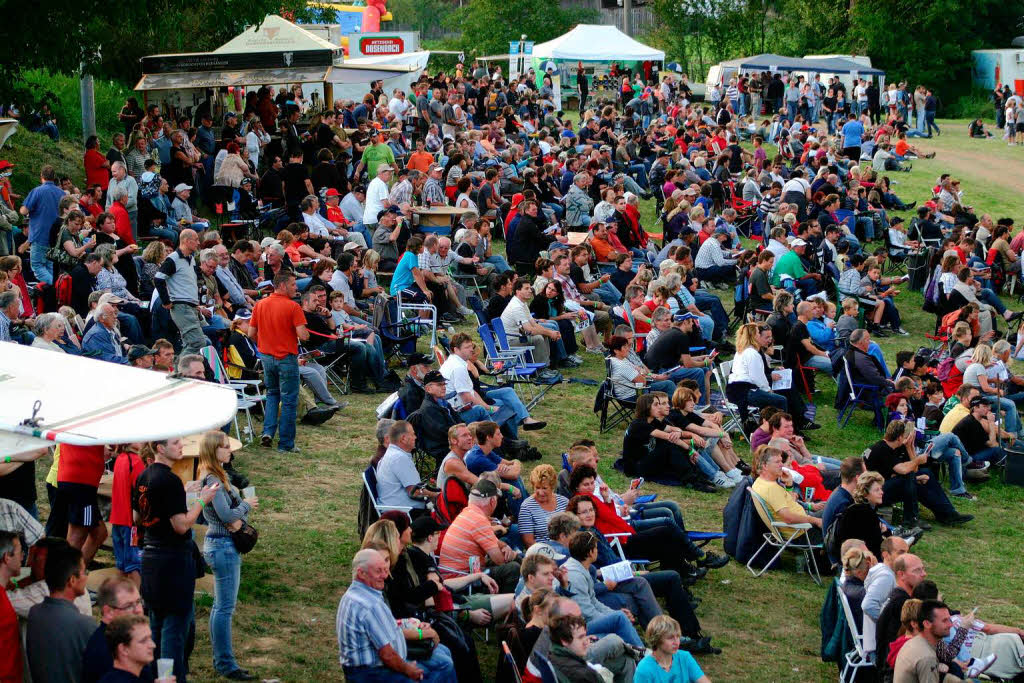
x=979, y=432
x=297, y=185
x=906, y=479
x=672, y=353
x=761, y=293
x=168, y=562
x=504, y=285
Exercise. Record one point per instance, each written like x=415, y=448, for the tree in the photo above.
x=487, y=26
x=65, y=36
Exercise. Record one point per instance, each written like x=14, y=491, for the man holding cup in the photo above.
x=131, y=646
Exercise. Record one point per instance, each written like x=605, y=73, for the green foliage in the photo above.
x=487, y=26
x=927, y=43
x=29, y=152
x=62, y=94
x=62, y=36
x=973, y=105
x=425, y=16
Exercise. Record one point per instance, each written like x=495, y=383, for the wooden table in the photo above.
x=439, y=220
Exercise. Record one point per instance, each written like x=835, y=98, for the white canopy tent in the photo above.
x=596, y=43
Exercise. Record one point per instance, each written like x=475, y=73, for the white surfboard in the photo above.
x=48, y=397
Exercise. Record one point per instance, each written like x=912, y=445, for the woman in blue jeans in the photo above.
x=226, y=513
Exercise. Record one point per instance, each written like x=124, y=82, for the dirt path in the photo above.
x=989, y=166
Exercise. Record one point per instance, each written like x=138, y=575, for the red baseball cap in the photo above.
x=331, y=192
x=4, y=165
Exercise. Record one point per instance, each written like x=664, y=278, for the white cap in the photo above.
x=797, y=243
x=181, y=187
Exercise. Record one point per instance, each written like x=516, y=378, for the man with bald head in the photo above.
x=909, y=571
x=178, y=286
x=879, y=584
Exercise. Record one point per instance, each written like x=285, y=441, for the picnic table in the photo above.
x=439, y=220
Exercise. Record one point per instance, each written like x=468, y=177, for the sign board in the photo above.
x=383, y=43
x=226, y=61
x=513, y=47
x=528, y=47
x=556, y=90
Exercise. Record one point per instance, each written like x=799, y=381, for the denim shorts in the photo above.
x=127, y=556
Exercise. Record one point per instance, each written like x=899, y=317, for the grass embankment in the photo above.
x=768, y=627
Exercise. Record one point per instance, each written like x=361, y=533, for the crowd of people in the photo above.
x=126, y=269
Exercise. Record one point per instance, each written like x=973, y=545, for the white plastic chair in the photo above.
x=775, y=538
x=858, y=657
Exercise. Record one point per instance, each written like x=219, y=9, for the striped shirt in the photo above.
x=533, y=519
x=470, y=535
x=364, y=625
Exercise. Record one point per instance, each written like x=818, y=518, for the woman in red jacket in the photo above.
x=657, y=538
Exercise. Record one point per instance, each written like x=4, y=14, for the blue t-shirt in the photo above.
x=42, y=203
x=479, y=462
x=684, y=670
x=853, y=132
x=403, y=279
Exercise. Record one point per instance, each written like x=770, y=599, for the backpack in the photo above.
x=829, y=540
x=63, y=289
x=945, y=367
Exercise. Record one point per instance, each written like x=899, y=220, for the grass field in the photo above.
x=767, y=627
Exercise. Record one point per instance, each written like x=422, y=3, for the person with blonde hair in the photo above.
x=226, y=513
x=539, y=507
x=860, y=519
x=976, y=374
x=717, y=459
x=666, y=662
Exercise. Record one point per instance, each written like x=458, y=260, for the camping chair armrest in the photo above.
x=400, y=508
x=245, y=382
x=622, y=534
x=804, y=526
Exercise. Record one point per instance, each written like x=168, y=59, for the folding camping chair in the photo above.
x=248, y=393
x=614, y=410
x=857, y=658
x=511, y=365
x=860, y=395
x=775, y=538
x=398, y=336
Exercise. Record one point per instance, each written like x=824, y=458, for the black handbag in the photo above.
x=245, y=537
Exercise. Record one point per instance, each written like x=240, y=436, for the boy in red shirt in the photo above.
x=127, y=553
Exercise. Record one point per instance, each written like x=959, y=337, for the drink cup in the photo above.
x=164, y=668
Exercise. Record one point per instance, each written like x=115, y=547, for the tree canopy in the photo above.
x=487, y=26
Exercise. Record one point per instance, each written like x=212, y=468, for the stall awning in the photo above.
x=767, y=62
x=218, y=79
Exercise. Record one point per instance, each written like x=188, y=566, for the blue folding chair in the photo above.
x=860, y=395
x=523, y=352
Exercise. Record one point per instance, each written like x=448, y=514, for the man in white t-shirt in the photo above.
x=462, y=396
x=377, y=193
x=399, y=106
x=397, y=479
x=518, y=320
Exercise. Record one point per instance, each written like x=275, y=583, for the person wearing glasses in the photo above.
x=118, y=596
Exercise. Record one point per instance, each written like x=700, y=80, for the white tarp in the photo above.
x=275, y=34
x=351, y=80
x=592, y=42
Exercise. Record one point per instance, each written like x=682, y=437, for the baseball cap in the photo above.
x=138, y=351
x=246, y=181
x=332, y=192
x=4, y=165
x=243, y=314
x=722, y=230
x=484, y=489
x=433, y=376
x=420, y=359
x=385, y=167
x=390, y=209
x=350, y=246
x=547, y=551
x=797, y=243
x=978, y=401
x=685, y=316
x=267, y=241
x=181, y=187
x=596, y=221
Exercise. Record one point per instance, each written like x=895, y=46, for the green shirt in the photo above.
x=788, y=264
x=374, y=156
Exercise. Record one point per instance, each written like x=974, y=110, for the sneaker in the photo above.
x=713, y=560
x=293, y=450
x=266, y=441
x=964, y=495
x=536, y=424
x=466, y=310
x=980, y=666
x=733, y=474
x=576, y=358
x=900, y=331
x=925, y=526
x=240, y=675
x=598, y=351
x=957, y=518
x=705, y=486
x=724, y=482
x=743, y=467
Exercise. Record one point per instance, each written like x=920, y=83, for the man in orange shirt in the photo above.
x=278, y=325
x=903, y=148
x=421, y=159
x=603, y=247
x=470, y=542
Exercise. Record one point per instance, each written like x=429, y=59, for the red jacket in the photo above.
x=122, y=222
x=608, y=520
